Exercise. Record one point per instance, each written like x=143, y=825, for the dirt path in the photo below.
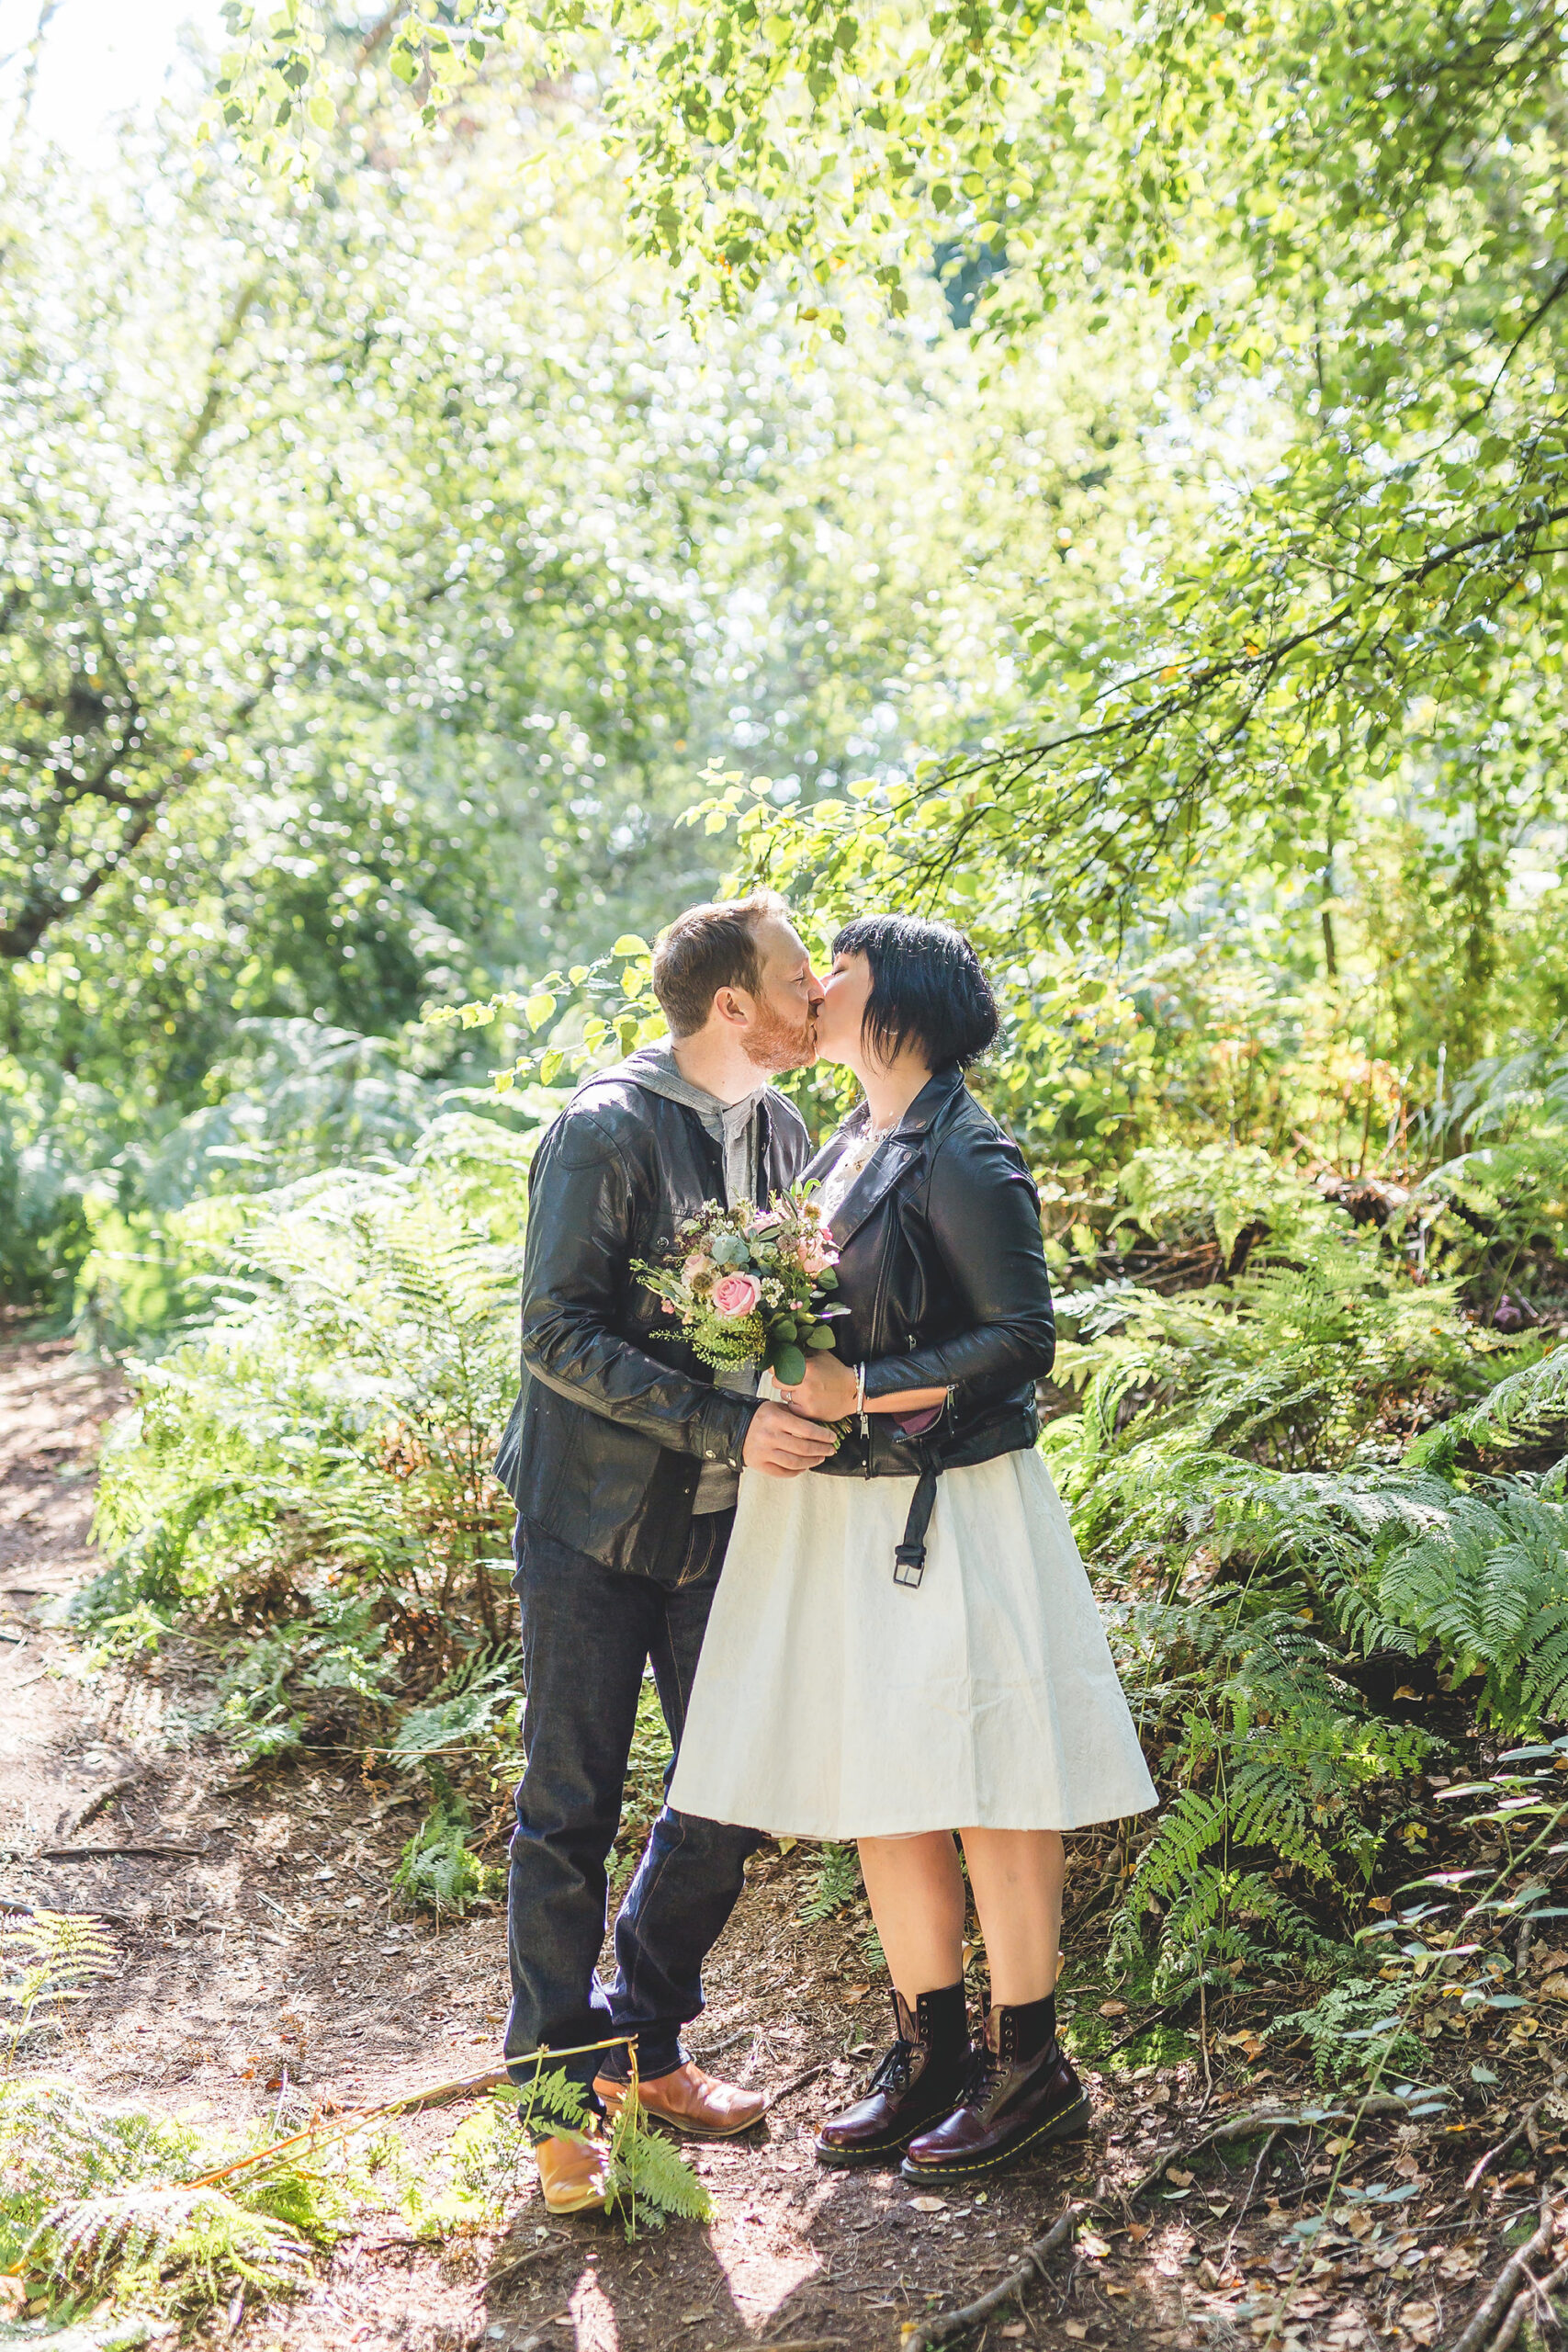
x=268, y=1967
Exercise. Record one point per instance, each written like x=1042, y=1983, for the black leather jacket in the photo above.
x=617, y=1416
x=943, y=1269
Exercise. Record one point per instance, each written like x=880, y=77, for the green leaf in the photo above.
x=822, y=1337
x=537, y=1008
x=630, y=944
x=788, y=1366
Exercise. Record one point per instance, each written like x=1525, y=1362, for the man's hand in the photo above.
x=778, y=1442
x=827, y=1392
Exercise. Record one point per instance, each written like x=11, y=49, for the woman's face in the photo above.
x=839, y=1017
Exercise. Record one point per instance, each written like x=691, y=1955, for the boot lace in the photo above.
x=981, y=2077
x=892, y=2073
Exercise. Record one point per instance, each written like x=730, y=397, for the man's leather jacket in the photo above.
x=943, y=1271
x=617, y=1416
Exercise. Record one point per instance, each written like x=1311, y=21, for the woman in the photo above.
x=904, y=1644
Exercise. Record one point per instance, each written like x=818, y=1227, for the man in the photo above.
x=623, y=1456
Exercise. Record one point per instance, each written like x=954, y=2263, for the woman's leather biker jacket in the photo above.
x=942, y=1268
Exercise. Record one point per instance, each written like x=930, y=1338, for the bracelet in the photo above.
x=859, y=1389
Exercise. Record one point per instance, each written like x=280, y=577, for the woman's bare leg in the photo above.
x=916, y=1890
x=1016, y=1877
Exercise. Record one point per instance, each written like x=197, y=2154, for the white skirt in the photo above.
x=830, y=1702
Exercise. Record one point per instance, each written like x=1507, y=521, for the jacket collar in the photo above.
x=901, y=1149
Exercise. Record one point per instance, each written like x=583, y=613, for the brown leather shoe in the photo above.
x=574, y=2171
x=689, y=2101
x=918, y=2082
x=1021, y=2094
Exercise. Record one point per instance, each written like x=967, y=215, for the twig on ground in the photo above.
x=1531, y=2300
x=1248, y=2193
x=796, y=2082
x=1155, y=2017
x=1478, y=2336
x=102, y=1853
x=1242, y=2127
x=90, y=1805
x=943, y=2326
x=553, y=2245
x=1519, y=2132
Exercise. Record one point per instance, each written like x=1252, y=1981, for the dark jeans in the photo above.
x=588, y=1633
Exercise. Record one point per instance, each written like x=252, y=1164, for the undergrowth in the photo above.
x=1310, y=1434
x=120, y=2207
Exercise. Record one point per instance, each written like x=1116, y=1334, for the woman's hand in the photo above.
x=827, y=1392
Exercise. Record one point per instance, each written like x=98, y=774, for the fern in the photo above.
x=835, y=1882
x=439, y=1872
x=1355, y=2028
x=1530, y=1404
x=47, y=1960
x=648, y=2175
x=93, y=2204
x=1488, y=1587
x=1272, y=1757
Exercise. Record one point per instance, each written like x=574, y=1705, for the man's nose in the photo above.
x=815, y=991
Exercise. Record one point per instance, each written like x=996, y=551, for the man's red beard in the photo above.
x=772, y=1043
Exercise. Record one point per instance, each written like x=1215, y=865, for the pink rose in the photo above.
x=697, y=1264
x=735, y=1296
x=814, y=1251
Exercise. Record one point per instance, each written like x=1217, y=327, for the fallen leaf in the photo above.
x=1419, y=2321
x=1555, y=1986
x=1113, y=2009
x=1076, y=2328
x=1182, y=2180
x=1019, y=2327
x=928, y=2204
x=1137, y=2232
x=1090, y=2244
x=1381, y=1903
x=856, y=1992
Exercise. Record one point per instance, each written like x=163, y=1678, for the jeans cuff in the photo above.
x=655, y=2057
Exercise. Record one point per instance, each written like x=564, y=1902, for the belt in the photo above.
x=909, y=1556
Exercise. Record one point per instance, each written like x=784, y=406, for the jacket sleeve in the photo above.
x=984, y=1215
x=575, y=1272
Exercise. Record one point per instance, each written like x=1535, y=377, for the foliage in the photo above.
x=1272, y=1756
x=835, y=1882
x=1338, y=230
x=648, y=2179
x=48, y=1959
x=93, y=2204
x=438, y=1871
x=1357, y=2027
x=1487, y=1586
x=339, y=1414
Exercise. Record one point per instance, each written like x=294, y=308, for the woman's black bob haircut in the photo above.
x=927, y=990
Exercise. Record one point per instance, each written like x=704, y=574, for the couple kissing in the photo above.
x=858, y=1594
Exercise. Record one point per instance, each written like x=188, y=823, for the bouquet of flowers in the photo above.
x=752, y=1285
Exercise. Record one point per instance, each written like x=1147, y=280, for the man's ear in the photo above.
x=732, y=1006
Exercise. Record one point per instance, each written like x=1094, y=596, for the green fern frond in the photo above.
x=835, y=1882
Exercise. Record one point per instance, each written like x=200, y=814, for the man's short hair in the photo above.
x=706, y=949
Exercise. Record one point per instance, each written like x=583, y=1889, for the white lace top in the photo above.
x=841, y=1179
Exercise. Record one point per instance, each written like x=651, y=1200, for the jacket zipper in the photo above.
x=882, y=1273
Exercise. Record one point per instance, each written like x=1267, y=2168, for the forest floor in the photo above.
x=265, y=1967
